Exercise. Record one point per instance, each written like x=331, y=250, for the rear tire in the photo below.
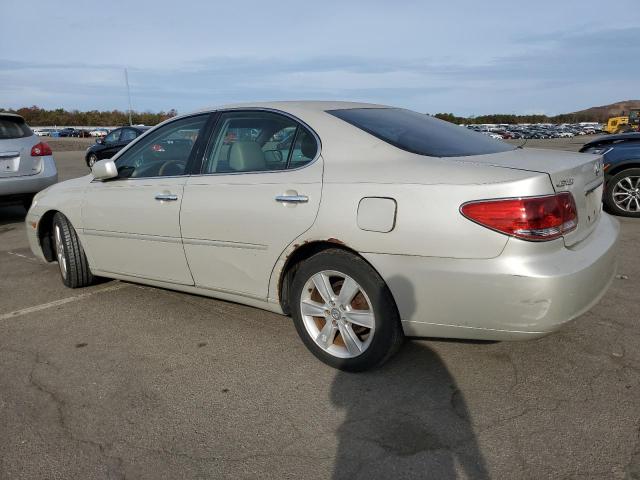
x=334, y=328
x=74, y=268
x=622, y=196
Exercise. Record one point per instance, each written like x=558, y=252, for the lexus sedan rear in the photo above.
x=365, y=223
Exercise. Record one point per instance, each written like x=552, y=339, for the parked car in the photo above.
x=112, y=143
x=621, y=157
x=369, y=224
x=81, y=133
x=66, y=132
x=99, y=132
x=26, y=164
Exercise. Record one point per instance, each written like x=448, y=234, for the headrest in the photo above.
x=308, y=147
x=246, y=156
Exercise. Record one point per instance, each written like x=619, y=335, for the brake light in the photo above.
x=40, y=150
x=529, y=218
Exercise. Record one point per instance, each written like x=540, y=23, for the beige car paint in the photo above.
x=449, y=276
x=234, y=230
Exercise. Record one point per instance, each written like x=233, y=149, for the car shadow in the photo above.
x=407, y=419
x=12, y=214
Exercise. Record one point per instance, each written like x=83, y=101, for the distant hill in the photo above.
x=594, y=114
x=602, y=113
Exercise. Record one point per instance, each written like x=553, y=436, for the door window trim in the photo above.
x=211, y=141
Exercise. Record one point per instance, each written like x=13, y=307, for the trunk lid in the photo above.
x=16, y=140
x=16, y=159
x=578, y=173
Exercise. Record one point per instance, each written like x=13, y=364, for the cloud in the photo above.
x=550, y=72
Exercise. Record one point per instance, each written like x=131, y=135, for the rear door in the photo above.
x=16, y=140
x=258, y=190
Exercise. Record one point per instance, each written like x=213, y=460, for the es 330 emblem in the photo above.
x=564, y=182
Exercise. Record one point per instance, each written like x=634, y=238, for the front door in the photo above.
x=132, y=222
x=259, y=189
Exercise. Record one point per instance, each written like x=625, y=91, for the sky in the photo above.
x=461, y=56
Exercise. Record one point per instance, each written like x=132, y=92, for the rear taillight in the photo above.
x=529, y=218
x=41, y=149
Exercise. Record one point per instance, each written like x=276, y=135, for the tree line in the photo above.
x=37, y=116
x=513, y=119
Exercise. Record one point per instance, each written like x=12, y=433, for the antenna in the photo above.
x=126, y=81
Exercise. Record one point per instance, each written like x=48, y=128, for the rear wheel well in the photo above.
x=301, y=254
x=620, y=168
x=45, y=234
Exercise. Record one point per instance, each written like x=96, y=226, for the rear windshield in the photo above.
x=419, y=133
x=13, y=127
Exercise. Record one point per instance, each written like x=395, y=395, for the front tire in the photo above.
x=344, y=312
x=74, y=268
x=92, y=158
x=622, y=195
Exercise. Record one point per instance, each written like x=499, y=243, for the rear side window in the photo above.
x=128, y=135
x=257, y=141
x=13, y=127
x=419, y=133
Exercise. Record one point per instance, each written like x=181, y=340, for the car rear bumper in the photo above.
x=517, y=295
x=30, y=184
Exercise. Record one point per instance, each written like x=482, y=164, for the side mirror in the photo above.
x=104, y=170
x=100, y=140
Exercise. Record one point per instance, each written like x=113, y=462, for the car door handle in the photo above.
x=292, y=198
x=169, y=197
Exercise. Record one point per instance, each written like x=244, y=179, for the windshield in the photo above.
x=419, y=133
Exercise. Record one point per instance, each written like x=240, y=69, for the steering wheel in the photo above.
x=171, y=163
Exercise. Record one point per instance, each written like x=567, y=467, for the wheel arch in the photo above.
x=635, y=163
x=45, y=234
x=304, y=251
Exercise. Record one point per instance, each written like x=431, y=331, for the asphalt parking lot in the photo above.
x=126, y=381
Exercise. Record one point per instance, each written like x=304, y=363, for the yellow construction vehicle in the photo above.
x=624, y=123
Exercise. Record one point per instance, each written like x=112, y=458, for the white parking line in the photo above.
x=62, y=301
x=26, y=257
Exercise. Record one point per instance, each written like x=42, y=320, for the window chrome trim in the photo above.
x=234, y=109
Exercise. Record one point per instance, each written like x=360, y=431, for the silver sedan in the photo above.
x=363, y=222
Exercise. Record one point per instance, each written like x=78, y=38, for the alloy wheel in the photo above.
x=337, y=314
x=62, y=260
x=626, y=194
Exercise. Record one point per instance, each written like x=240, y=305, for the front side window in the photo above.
x=113, y=137
x=164, y=152
x=418, y=133
x=258, y=142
